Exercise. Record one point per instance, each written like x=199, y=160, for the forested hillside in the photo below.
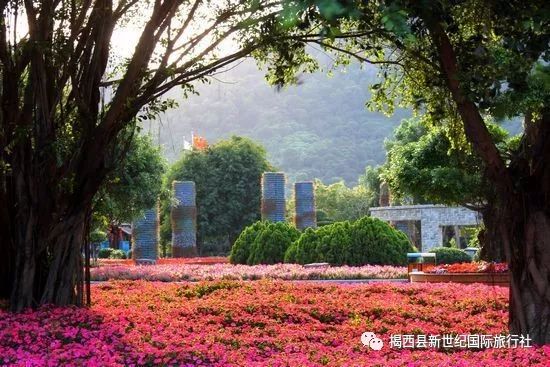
x=318, y=129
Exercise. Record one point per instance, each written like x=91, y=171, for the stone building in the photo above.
x=432, y=220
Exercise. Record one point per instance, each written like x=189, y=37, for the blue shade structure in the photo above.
x=145, y=236
x=305, y=215
x=183, y=217
x=273, y=196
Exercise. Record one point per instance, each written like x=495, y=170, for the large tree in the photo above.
x=458, y=61
x=131, y=188
x=341, y=203
x=68, y=103
x=227, y=178
x=424, y=166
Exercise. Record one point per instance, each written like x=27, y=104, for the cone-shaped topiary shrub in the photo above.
x=329, y=243
x=105, y=253
x=365, y=241
x=263, y=243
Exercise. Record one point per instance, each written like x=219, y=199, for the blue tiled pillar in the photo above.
x=273, y=196
x=305, y=215
x=184, y=220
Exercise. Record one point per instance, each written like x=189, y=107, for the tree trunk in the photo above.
x=491, y=245
x=114, y=236
x=527, y=242
x=522, y=198
x=51, y=274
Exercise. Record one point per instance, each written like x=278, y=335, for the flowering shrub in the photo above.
x=480, y=267
x=266, y=323
x=168, y=273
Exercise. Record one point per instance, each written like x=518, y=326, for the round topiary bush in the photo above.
x=263, y=243
x=376, y=242
x=365, y=241
x=329, y=244
x=104, y=253
x=240, y=251
x=448, y=255
x=111, y=253
x=117, y=254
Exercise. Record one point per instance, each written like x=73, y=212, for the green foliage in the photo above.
x=104, y=253
x=117, y=254
x=370, y=180
x=204, y=289
x=365, y=241
x=423, y=165
x=215, y=246
x=110, y=253
x=304, y=138
x=451, y=244
x=376, y=242
x=408, y=131
x=242, y=247
x=448, y=255
x=263, y=243
x=97, y=236
x=227, y=178
x=473, y=234
x=339, y=202
x=270, y=245
x=330, y=243
x=134, y=186
x=323, y=218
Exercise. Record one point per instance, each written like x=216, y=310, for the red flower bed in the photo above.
x=479, y=267
x=263, y=323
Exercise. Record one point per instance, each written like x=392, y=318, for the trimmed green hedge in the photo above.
x=104, y=253
x=263, y=243
x=110, y=253
x=329, y=243
x=448, y=255
x=365, y=241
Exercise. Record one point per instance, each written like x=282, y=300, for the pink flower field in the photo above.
x=263, y=323
x=182, y=272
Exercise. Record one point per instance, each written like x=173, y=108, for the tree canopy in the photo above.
x=133, y=187
x=457, y=62
x=227, y=178
x=424, y=166
x=69, y=106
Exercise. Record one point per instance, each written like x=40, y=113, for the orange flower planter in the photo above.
x=500, y=279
